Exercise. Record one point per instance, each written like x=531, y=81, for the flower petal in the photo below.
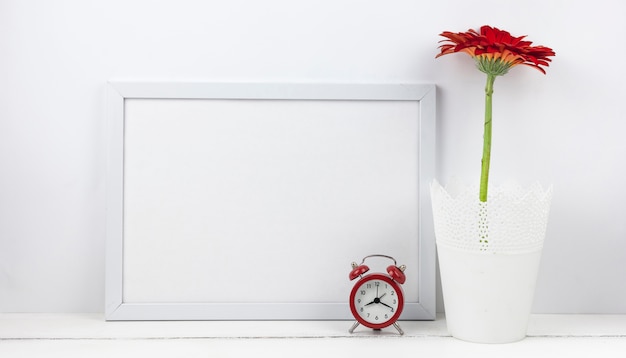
x=498, y=45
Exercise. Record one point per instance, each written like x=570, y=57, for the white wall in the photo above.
x=566, y=128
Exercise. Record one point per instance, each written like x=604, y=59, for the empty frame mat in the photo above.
x=250, y=201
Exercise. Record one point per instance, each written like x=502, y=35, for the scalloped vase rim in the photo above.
x=512, y=221
x=457, y=190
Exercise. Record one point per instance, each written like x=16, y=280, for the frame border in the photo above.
x=118, y=91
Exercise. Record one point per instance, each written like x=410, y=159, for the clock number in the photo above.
x=359, y=300
x=362, y=292
x=393, y=293
x=377, y=283
x=376, y=318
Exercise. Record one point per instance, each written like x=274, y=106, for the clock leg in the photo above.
x=354, y=326
x=398, y=328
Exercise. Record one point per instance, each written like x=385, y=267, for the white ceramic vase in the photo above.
x=489, y=256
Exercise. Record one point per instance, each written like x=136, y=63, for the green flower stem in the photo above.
x=484, y=172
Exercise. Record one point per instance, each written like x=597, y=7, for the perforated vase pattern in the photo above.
x=513, y=220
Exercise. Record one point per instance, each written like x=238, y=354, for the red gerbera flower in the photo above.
x=495, y=50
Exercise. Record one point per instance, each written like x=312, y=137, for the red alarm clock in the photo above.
x=377, y=299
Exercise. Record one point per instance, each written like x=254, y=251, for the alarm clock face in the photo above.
x=376, y=301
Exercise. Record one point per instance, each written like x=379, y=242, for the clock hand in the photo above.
x=376, y=300
x=373, y=301
x=384, y=304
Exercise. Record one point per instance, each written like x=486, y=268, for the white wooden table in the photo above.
x=88, y=335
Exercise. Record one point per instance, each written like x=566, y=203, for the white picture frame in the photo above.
x=166, y=260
